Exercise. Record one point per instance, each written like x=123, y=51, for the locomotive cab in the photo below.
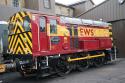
x=49, y=35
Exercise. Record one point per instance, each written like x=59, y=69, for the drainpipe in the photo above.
x=6, y=2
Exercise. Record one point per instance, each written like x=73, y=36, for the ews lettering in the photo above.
x=86, y=32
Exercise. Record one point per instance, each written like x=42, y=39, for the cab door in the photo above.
x=43, y=33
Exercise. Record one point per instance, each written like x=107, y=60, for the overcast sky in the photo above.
x=67, y=2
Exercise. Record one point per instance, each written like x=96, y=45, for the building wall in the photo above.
x=119, y=32
x=88, y=5
x=6, y=2
x=10, y=3
x=50, y=10
x=2, y=2
x=79, y=9
x=83, y=7
x=63, y=10
x=111, y=11
x=71, y=13
x=32, y=4
x=39, y=6
x=7, y=12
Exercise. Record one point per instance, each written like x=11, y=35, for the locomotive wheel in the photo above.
x=23, y=74
x=27, y=73
x=83, y=65
x=63, y=67
x=98, y=62
x=19, y=69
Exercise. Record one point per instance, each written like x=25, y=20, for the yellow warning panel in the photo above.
x=2, y=68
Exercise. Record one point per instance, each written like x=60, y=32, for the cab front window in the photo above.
x=26, y=23
x=11, y=28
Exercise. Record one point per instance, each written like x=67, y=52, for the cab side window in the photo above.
x=42, y=24
x=26, y=23
x=53, y=26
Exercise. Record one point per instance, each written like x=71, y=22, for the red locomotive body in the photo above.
x=47, y=43
x=58, y=44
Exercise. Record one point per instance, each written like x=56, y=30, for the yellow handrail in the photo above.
x=87, y=57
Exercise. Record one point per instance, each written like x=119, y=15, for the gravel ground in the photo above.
x=112, y=73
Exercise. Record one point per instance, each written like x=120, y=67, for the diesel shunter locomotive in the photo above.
x=42, y=44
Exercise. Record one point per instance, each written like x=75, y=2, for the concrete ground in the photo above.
x=112, y=73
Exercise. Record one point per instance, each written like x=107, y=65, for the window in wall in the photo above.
x=16, y=3
x=42, y=24
x=47, y=3
x=26, y=23
x=53, y=26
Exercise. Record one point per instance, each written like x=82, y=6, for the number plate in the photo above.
x=2, y=68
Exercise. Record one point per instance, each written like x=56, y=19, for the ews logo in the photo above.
x=86, y=32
